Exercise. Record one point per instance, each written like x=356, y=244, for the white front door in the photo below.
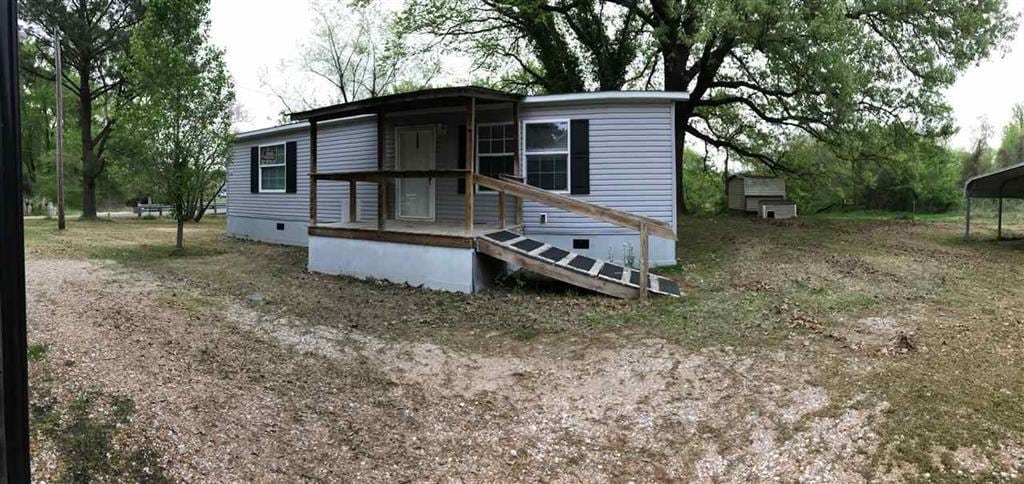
x=415, y=150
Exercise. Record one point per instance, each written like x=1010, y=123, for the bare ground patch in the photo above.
x=233, y=391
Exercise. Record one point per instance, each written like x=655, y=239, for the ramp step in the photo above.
x=563, y=264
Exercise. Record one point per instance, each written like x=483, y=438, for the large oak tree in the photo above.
x=758, y=71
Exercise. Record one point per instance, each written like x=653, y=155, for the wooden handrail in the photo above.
x=382, y=175
x=593, y=210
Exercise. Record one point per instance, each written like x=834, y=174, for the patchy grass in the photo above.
x=832, y=293
x=79, y=436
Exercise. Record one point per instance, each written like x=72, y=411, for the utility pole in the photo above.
x=61, y=225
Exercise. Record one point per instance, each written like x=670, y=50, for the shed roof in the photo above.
x=747, y=175
x=1005, y=183
x=427, y=98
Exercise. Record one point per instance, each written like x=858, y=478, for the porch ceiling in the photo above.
x=427, y=98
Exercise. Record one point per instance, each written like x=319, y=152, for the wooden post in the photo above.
x=999, y=225
x=352, y=201
x=382, y=185
x=517, y=166
x=644, y=261
x=382, y=203
x=59, y=94
x=470, y=162
x=501, y=209
x=967, y=225
x=312, y=171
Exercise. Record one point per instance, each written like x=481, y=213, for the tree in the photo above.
x=94, y=36
x=37, y=126
x=979, y=159
x=356, y=54
x=536, y=45
x=1011, y=149
x=763, y=71
x=183, y=106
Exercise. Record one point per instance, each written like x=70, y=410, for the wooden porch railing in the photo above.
x=380, y=177
x=645, y=225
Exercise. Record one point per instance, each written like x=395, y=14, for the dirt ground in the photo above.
x=849, y=359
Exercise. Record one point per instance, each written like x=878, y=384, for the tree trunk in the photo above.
x=203, y=207
x=675, y=72
x=180, y=242
x=89, y=161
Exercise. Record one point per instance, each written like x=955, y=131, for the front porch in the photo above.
x=432, y=213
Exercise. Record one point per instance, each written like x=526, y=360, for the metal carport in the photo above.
x=1005, y=183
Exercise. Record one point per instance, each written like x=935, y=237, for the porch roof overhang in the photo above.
x=1005, y=183
x=424, y=99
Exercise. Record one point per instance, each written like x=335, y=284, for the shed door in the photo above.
x=415, y=150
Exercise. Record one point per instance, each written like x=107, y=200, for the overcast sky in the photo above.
x=259, y=35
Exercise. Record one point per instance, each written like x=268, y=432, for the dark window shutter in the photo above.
x=579, y=157
x=462, y=159
x=254, y=170
x=291, y=153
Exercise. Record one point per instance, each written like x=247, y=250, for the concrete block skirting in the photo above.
x=442, y=268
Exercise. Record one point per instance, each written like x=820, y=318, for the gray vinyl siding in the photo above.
x=345, y=146
x=631, y=165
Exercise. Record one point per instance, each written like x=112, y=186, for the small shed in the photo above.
x=778, y=209
x=746, y=192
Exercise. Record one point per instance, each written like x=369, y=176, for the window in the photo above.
x=273, y=171
x=496, y=147
x=547, y=155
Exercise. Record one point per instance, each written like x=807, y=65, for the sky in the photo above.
x=259, y=35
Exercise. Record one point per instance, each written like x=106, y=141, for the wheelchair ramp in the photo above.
x=570, y=267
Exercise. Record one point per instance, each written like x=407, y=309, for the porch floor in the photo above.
x=452, y=234
x=456, y=229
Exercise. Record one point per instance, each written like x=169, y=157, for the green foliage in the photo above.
x=1011, y=149
x=535, y=45
x=705, y=185
x=94, y=38
x=181, y=116
x=915, y=175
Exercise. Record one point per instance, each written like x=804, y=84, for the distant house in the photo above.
x=746, y=192
x=447, y=187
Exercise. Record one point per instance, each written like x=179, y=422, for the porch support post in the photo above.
x=999, y=226
x=470, y=162
x=644, y=260
x=312, y=171
x=382, y=184
x=501, y=209
x=517, y=166
x=967, y=225
x=352, y=201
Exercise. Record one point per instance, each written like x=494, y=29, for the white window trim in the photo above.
x=259, y=167
x=567, y=152
x=476, y=151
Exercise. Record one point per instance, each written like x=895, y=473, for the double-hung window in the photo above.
x=273, y=168
x=496, y=147
x=547, y=155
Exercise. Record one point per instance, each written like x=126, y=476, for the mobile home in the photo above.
x=447, y=187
